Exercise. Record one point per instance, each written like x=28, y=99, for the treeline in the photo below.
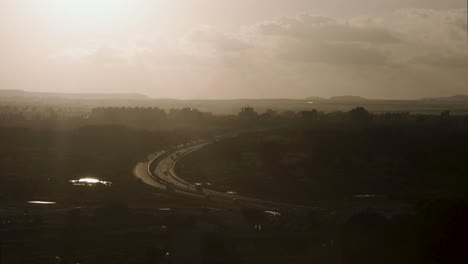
x=15, y=113
x=149, y=117
x=157, y=118
x=357, y=116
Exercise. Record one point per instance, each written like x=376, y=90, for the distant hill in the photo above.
x=455, y=98
x=359, y=99
x=348, y=98
x=341, y=99
x=76, y=96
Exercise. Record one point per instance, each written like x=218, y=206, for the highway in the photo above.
x=164, y=177
x=142, y=171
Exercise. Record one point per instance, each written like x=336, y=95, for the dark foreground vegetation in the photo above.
x=40, y=162
x=386, y=188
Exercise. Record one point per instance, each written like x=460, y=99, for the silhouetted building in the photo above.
x=247, y=113
x=187, y=114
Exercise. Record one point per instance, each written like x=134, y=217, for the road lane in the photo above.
x=164, y=175
x=142, y=171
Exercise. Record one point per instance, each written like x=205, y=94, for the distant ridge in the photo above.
x=83, y=96
x=356, y=99
x=344, y=98
x=347, y=98
x=351, y=99
x=455, y=98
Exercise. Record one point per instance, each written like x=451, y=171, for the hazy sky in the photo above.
x=236, y=49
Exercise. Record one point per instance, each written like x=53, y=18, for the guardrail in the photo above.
x=148, y=168
x=159, y=156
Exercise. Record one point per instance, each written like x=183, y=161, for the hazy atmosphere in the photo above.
x=236, y=49
x=233, y=131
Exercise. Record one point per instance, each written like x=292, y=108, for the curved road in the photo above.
x=164, y=177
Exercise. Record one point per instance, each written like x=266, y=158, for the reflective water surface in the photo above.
x=88, y=181
x=41, y=202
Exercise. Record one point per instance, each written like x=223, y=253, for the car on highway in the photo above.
x=199, y=187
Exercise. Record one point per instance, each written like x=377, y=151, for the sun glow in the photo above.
x=79, y=13
x=76, y=16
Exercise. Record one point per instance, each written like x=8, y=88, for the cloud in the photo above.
x=435, y=38
x=322, y=39
x=308, y=27
x=335, y=53
x=410, y=53
x=444, y=61
x=217, y=41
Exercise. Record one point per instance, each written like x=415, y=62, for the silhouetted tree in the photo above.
x=360, y=115
x=445, y=114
